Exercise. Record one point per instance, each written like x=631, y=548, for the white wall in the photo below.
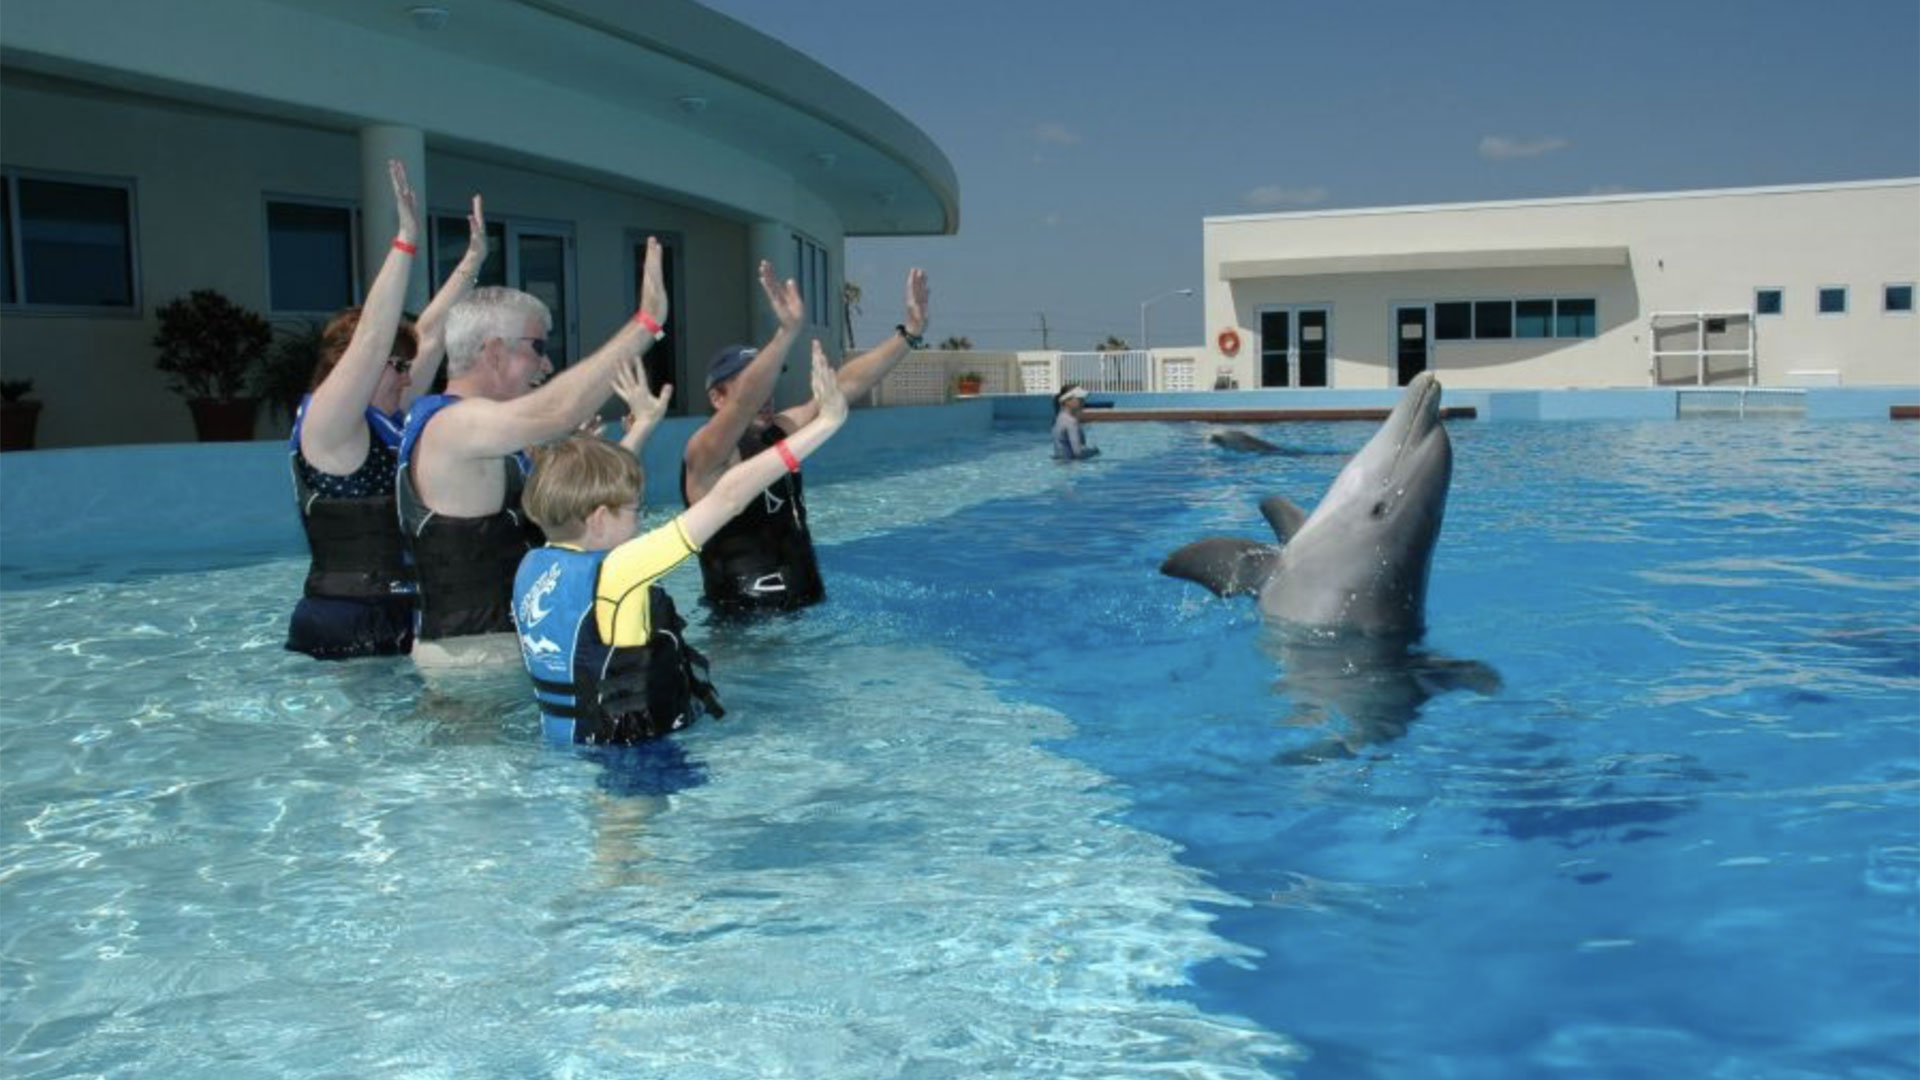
x=1688, y=251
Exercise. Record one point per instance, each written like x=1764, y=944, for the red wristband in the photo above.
x=786, y=455
x=402, y=245
x=648, y=323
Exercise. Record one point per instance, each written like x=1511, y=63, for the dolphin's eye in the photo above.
x=1379, y=508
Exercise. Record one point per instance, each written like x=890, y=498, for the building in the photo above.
x=1778, y=286
x=152, y=147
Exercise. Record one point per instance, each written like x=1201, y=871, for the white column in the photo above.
x=378, y=144
x=773, y=241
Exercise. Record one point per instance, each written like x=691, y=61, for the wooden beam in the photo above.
x=1261, y=416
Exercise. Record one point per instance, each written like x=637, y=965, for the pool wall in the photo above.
x=1661, y=403
x=58, y=506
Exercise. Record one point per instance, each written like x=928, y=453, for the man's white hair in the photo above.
x=493, y=312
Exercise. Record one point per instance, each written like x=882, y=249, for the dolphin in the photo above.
x=1235, y=439
x=1344, y=592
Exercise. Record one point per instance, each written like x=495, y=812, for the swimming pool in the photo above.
x=1012, y=804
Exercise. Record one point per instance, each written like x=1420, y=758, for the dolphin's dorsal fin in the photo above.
x=1283, y=515
x=1227, y=565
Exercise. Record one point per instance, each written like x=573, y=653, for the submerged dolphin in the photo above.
x=1345, y=591
x=1235, y=439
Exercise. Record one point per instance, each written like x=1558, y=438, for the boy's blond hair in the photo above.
x=573, y=477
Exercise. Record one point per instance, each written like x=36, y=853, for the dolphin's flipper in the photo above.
x=1227, y=565
x=1283, y=515
x=1440, y=674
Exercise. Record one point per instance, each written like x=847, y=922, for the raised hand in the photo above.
x=785, y=299
x=476, y=236
x=653, y=284
x=643, y=406
x=404, y=202
x=916, y=320
x=826, y=387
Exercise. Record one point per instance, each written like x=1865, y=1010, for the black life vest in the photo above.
x=464, y=566
x=763, y=559
x=354, y=540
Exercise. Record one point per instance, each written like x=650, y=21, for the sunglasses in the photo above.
x=538, y=346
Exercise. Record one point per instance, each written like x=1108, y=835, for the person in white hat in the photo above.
x=1069, y=443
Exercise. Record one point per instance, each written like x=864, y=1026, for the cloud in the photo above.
x=1502, y=148
x=1276, y=195
x=1609, y=189
x=1054, y=134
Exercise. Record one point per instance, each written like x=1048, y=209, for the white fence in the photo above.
x=931, y=376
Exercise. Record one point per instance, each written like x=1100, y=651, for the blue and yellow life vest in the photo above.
x=592, y=692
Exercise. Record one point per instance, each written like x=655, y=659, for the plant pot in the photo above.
x=19, y=421
x=224, y=419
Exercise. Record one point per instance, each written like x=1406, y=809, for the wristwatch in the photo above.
x=914, y=341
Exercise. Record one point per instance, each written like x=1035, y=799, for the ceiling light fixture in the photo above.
x=428, y=16
x=691, y=104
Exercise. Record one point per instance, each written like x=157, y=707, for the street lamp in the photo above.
x=1149, y=302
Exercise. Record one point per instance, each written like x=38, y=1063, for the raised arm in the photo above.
x=480, y=428
x=861, y=374
x=431, y=329
x=644, y=408
x=711, y=447
x=333, y=436
x=743, y=483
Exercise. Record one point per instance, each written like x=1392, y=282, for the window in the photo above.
x=1833, y=299
x=1766, y=301
x=1533, y=318
x=1493, y=319
x=69, y=243
x=810, y=270
x=1573, y=318
x=309, y=256
x=1453, y=321
x=1500, y=320
x=450, y=246
x=1897, y=300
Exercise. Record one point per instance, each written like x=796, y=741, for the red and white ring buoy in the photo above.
x=1229, y=342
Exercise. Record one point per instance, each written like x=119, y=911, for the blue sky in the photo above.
x=1091, y=138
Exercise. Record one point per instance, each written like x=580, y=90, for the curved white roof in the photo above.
x=666, y=97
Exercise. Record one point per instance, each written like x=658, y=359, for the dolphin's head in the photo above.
x=1360, y=560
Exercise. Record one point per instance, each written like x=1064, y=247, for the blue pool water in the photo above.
x=1012, y=804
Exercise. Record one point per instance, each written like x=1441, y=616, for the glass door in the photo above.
x=534, y=258
x=1311, y=351
x=1411, y=354
x=1294, y=346
x=1276, y=348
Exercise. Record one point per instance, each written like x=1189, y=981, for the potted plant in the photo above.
x=19, y=414
x=967, y=383
x=209, y=345
x=288, y=373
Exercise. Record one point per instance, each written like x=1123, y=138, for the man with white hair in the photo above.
x=463, y=458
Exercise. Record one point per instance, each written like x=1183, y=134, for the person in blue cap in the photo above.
x=763, y=560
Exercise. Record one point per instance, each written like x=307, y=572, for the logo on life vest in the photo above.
x=532, y=606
